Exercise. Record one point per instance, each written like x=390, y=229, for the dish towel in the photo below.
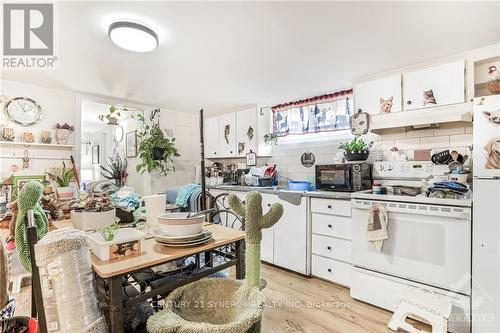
x=377, y=226
x=185, y=193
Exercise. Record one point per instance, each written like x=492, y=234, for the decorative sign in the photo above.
x=307, y=159
x=251, y=158
x=360, y=123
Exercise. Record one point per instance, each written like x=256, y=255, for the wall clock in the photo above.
x=23, y=110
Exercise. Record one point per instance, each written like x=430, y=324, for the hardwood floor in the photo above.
x=299, y=304
x=303, y=304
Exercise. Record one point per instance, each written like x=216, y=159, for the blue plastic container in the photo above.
x=297, y=185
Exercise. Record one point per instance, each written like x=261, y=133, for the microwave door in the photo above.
x=487, y=137
x=333, y=179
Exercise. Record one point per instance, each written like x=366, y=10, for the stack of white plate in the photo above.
x=163, y=238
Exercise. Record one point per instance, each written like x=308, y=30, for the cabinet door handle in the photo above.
x=359, y=110
x=268, y=205
x=243, y=202
x=329, y=270
x=330, y=206
x=330, y=226
x=230, y=152
x=329, y=248
x=215, y=153
x=408, y=102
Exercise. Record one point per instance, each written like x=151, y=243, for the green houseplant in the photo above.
x=155, y=150
x=270, y=139
x=356, y=149
x=62, y=177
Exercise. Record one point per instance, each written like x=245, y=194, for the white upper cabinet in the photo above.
x=263, y=128
x=211, y=137
x=434, y=86
x=378, y=96
x=246, y=132
x=227, y=135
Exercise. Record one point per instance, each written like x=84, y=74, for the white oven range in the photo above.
x=429, y=246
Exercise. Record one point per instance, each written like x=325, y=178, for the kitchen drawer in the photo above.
x=331, y=225
x=331, y=206
x=330, y=247
x=332, y=270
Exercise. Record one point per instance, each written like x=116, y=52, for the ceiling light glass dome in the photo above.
x=133, y=36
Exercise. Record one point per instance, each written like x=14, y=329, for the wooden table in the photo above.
x=110, y=276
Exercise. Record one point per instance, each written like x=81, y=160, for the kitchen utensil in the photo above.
x=443, y=157
x=203, y=212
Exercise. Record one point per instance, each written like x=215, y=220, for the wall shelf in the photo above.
x=36, y=145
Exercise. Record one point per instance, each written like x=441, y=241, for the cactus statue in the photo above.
x=28, y=199
x=255, y=221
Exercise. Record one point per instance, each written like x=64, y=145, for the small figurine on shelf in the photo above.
x=8, y=134
x=493, y=80
x=63, y=132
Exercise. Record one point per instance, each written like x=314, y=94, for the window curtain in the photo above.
x=325, y=113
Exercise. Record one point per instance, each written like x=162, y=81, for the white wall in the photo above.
x=63, y=106
x=57, y=107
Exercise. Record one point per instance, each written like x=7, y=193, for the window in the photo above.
x=324, y=113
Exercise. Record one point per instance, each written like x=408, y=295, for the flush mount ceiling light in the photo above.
x=133, y=36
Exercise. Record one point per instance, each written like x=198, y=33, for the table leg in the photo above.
x=208, y=259
x=240, y=256
x=115, y=304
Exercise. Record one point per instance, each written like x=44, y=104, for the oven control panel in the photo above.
x=391, y=169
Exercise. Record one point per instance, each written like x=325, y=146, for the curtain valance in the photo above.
x=329, y=112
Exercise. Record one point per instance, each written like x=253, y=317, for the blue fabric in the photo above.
x=185, y=193
x=194, y=203
x=171, y=193
x=128, y=203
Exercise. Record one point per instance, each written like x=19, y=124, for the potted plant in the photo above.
x=62, y=176
x=116, y=169
x=356, y=149
x=270, y=139
x=63, y=132
x=112, y=116
x=95, y=212
x=155, y=150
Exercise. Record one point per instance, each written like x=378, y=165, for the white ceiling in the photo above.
x=224, y=55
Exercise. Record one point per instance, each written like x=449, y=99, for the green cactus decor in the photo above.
x=251, y=213
x=28, y=199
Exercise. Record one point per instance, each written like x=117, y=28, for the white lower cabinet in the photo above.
x=331, y=270
x=331, y=240
x=290, y=234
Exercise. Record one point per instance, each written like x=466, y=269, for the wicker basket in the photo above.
x=494, y=86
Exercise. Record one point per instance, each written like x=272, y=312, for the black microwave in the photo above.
x=345, y=177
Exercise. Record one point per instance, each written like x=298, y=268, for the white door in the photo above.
x=290, y=235
x=227, y=135
x=434, y=86
x=264, y=116
x=487, y=137
x=486, y=257
x=427, y=243
x=373, y=96
x=246, y=132
x=212, y=137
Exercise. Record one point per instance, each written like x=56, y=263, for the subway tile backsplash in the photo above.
x=287, y=157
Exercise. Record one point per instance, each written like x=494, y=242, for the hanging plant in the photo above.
x=155, y=150
x=270, y=139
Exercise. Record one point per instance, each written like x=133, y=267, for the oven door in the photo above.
x=429, y=244
x=333, y=177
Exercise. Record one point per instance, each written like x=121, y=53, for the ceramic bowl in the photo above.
x=178, y=224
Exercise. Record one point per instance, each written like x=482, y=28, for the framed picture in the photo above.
x=95, y=154
x=131, y=144
x=19, y=181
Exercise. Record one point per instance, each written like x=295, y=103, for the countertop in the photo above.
x=276, y=190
